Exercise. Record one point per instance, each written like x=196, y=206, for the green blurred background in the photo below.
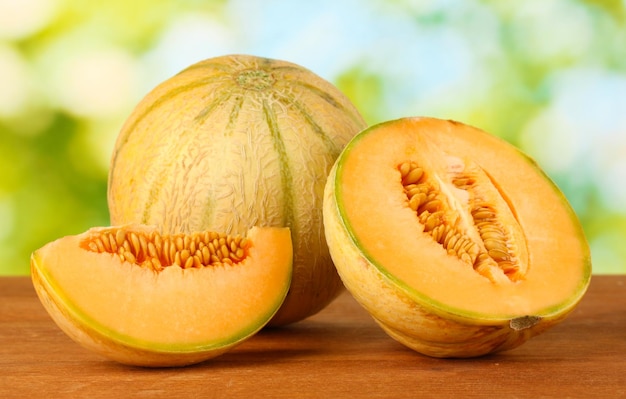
x=547, y=75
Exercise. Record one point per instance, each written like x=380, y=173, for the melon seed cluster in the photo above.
x=440, y=222
x=496, y=241
x=155, y=251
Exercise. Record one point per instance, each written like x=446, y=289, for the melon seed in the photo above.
x=495, y=244
x=404, y=168
x=155, y=251
x=413, y=176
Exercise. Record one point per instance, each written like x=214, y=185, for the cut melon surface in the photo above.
x=173, y=316
x=428, y=218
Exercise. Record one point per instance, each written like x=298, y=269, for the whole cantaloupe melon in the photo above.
x=234, y=142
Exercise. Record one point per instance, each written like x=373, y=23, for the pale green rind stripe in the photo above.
x=329, y=144
x=286, y=177
x=234, y=114
x=357, y=119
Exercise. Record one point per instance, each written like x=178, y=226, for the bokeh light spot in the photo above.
x=98, y=83
x=570, y=34
x=22, y=18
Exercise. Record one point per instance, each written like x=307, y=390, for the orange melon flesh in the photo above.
x=159, y=317
x=374, y=211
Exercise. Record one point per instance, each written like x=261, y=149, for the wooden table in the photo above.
x=338, y=353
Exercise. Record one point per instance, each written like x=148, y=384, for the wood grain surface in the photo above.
x=337, y=353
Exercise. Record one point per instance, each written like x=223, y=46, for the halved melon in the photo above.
x=142, y=298
x=455, y=241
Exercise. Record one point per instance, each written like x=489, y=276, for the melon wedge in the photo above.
x=117, y=303
x=456, y=242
